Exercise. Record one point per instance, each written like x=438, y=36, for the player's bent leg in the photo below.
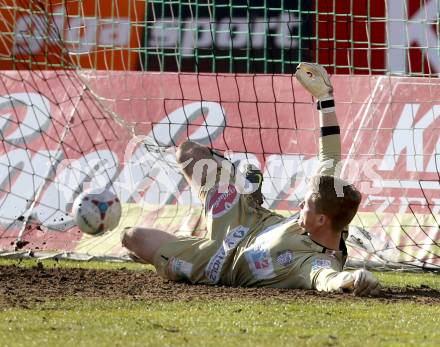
x=143, y=243
x=187, y=259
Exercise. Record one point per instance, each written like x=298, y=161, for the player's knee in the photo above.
x=129, y=236
x=141, y=243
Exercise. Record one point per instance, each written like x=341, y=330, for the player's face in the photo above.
x=307, y=212
x=309, y=218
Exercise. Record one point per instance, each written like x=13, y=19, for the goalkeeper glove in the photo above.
x=315, y=80
x=362, y=282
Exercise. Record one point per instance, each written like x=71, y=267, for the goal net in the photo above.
x=98, y=93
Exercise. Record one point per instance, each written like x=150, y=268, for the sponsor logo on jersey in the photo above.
x=235, y=235
x=214, y=268
x=321, y=264
x=260, y=263
x=223, y=200
x=260, y=259
x=285, y=258
x=180, y=268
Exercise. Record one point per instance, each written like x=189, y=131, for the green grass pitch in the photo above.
x=306, y=321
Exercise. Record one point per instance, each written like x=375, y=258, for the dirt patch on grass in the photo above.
x=25, y=286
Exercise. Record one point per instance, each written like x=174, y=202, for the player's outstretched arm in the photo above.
x=361, y=282
x=315, y=80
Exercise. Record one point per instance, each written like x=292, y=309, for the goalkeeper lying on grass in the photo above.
x=248, y=245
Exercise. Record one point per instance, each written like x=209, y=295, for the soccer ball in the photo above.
x=96, y=211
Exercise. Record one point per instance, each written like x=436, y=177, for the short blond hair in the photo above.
x=335, y=198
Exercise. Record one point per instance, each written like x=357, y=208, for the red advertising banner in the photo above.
x=58, y=136
x=91, y=34
x=374, y=37
x=351, y=37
